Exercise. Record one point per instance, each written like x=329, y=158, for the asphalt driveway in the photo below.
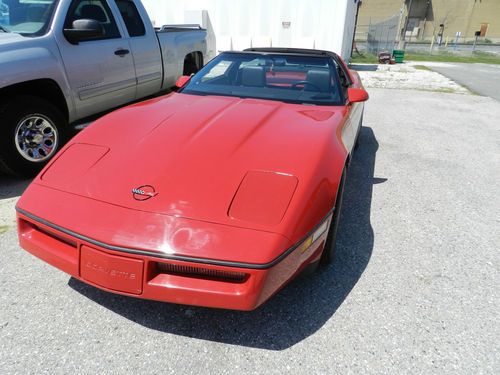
x=414, y=288
x=483, y=79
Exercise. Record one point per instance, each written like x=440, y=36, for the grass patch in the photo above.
x=446, y=90
x=477, y=57
x=421, y=67
x=366, y=58
x=3, y=229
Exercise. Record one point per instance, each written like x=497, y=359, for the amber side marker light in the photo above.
x=306, y=244
x=202, y=273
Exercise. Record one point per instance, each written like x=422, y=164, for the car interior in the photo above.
x=293, y=78
x=273, y=73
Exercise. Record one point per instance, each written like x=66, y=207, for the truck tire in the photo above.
x=33, y=130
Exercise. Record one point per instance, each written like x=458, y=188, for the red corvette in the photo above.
x=216, y=195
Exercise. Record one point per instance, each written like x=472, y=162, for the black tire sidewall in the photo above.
x=358, y=136
x=328, y=254
x=11, y=114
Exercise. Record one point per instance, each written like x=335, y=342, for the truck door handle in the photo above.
x=122, y=52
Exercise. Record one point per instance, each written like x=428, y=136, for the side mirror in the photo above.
x=181, y=81
x=357, y=95
x=84, y=29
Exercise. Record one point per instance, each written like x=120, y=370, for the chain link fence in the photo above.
x=382, y=35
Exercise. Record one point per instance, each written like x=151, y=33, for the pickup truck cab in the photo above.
x=64, y=61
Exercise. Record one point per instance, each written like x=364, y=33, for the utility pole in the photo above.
x=402, y=37
x=355, y=27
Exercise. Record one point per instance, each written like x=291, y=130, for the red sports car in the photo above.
x=215, y=195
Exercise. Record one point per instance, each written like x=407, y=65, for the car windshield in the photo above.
x=288, y=78
x=26, y=17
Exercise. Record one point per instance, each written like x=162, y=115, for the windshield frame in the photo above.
x=43, y=30
x=338, y=99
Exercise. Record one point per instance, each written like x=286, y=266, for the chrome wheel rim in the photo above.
x=36, y=138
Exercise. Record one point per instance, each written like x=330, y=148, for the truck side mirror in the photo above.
x=181, y=81
x=357, y=95
x=84, y=29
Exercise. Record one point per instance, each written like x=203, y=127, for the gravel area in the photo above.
x=407, y=76
x=414, y=289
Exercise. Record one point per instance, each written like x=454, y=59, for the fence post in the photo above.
x=476, y=35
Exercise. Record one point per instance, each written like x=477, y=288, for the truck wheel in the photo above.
x=32, y=132
x=329, y=251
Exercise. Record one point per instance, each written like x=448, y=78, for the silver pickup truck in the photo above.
x=64, y=61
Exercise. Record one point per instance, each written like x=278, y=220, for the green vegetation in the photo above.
x=477, y=57
x=3, y=229
x=366, y=58
x=446, y=90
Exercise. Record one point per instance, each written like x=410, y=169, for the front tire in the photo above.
x=33, y=130
x=356, y=145
x=328, y=255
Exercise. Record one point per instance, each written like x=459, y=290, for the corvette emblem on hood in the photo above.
x=144, y=192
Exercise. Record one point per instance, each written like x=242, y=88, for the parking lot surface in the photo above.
x=483, y=79
x=414, y=288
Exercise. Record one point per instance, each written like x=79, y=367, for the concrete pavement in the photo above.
x=414, y=288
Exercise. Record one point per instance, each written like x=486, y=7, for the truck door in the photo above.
x=100, y=71
x=145, y=48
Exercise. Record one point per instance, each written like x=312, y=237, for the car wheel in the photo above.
x=33, y=130
x=356, y=145
x=329, y=251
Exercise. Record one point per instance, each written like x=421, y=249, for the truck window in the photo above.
x=96, y=10
x=131, y=17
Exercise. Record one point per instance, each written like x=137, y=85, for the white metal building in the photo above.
x=239, y=24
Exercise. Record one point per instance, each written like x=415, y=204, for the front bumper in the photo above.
x=139, y=274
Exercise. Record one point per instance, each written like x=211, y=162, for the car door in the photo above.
x=354, y=110
x=100, y=71
x=348, y=131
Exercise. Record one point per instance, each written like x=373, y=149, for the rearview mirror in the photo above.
x=84, y=29
x=357, y=95
x=181, y=81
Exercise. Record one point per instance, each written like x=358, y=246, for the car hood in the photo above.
x=188, y=156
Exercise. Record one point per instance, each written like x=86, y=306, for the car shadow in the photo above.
x=301, y=308
x=364, y=67
x=11, y=187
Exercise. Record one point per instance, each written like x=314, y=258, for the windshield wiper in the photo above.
x=3, y=29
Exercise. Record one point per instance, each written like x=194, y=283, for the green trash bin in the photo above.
x=399, y=55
